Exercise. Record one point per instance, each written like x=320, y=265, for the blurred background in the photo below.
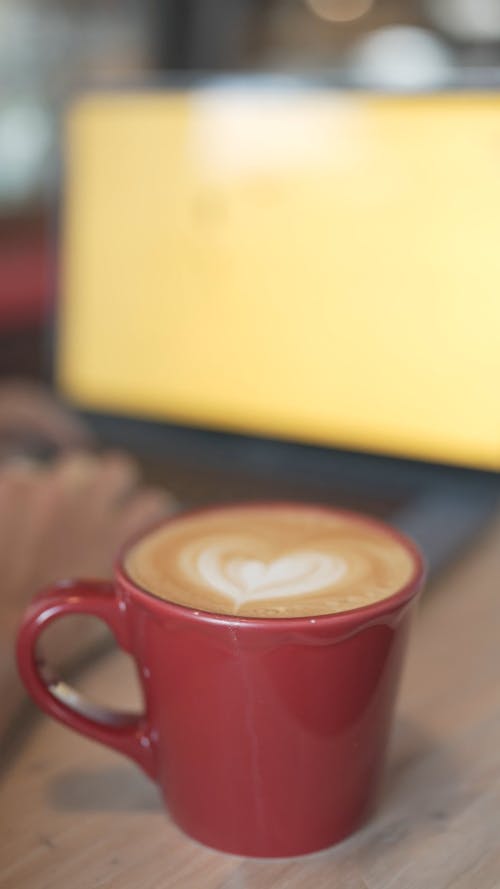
x=50, y=49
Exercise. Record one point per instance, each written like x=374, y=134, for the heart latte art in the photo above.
x=270, y=561
x=243, y=579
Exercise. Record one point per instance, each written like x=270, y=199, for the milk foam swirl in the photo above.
x=219, y=564
x=270, y=561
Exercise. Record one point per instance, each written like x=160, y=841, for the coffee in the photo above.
x=270, y=561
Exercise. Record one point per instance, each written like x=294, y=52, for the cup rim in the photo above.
x=340, y=619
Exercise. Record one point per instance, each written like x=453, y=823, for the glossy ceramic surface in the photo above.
x=267, y=737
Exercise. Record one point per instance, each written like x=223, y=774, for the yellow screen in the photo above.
x=302, y=264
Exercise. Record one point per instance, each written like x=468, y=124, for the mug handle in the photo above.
x=127, y=733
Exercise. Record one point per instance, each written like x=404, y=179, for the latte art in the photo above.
x=218, y=565
x=270, y=561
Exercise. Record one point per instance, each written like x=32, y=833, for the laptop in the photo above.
x=275, y=287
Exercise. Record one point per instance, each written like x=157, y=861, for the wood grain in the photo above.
x=74, y=814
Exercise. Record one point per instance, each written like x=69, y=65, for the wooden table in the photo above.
x=76, y=816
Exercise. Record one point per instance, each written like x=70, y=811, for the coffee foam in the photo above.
x=270, y=561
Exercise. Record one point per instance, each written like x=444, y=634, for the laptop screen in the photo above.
x=298, y=263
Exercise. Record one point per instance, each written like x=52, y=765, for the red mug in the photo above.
x=267, y=736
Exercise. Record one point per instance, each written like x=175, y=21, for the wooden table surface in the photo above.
x=77, y=816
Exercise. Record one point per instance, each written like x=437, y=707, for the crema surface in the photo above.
x=270, y=561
